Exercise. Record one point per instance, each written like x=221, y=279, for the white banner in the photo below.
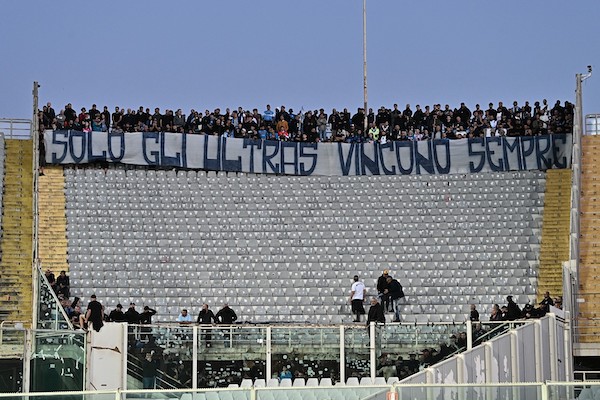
x=166, y=149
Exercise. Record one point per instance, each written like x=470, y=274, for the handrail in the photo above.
x=160, y=374
x=15, y=327
x=55, y=298
x=13, y=129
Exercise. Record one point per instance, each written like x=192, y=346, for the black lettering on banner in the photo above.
x=184, y=150
x=230, y=165
x=557, y=150
x=372, y=164
x=345, y=164
x=511, y=145
x=82, y=145
x=153, y=137
x=266, y=158
x=294, y=162
x=543, y=162
x=490, y=152
x=445, y=144
x=58, y=142
x=111, y=155
x=387, y=145
x=529, y=151
x=421, y=161
x=304, y=145
x=474, y=152
x=411, y=154
x=165, y=160
x=91, y=157
x=213, y=164
x=252, y=144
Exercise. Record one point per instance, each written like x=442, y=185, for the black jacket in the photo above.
x=206, y=317
x=395, y=290
x=376, y=314
x=226, y=316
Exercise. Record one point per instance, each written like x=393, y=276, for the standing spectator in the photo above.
x=70, y=114
x=474, y=315
x=381, y=286
x=146, y=319
x=117, y=315
x=51, y=279
x=395, y=293
x=322, y=125
x=513, y=310
x=149, y=371
x=131, y=315
x=375, y=312
x=495, y=313
x=547, y=302
x=358, y=292
x=206, y=317
x=226, y=315
x=146, y=315
x=269, y=116
x=95, y=313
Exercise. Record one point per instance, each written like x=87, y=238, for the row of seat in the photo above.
x=144, y=172
x=314, y=382
x=183, y=253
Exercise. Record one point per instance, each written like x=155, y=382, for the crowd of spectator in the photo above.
x=384, y=124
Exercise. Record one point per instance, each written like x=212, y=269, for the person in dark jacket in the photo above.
x=146, y=316
x=395, y=293
x=513, y=312
x=149, y=369
x=117, y=315
x=226, y=315
x=375, y=312
x=381, y=286
x=131, y=315
x=206, y=317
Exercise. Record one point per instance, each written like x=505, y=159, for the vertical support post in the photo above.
x=470, y=334
x=28, y=354
x=342, y=355
x=568, y=350
x=125, y=347
x=373, y=349
x=269, y=365
x=553, y=360
x=195, y=344
x=514, y=355
x=539, y=368
x=35, y=129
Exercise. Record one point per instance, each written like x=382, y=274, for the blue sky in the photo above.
x=203, y=55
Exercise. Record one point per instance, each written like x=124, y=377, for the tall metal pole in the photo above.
x=365, y=124
x=573, y=280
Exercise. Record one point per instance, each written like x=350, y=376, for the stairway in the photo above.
x=52, y=221
x=554, y=248
x=17, y=225
x=589, y=241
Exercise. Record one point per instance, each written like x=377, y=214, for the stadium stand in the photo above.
x=284, y=248
x=52, y=220
x=17, y=222
x=555, y=232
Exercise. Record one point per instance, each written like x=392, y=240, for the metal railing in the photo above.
x=14, y=128
x=490, y=391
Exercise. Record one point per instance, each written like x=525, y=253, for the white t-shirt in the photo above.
x=359, y=291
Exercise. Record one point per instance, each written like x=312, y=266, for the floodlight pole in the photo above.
x=365, y=123
x=575, y=198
